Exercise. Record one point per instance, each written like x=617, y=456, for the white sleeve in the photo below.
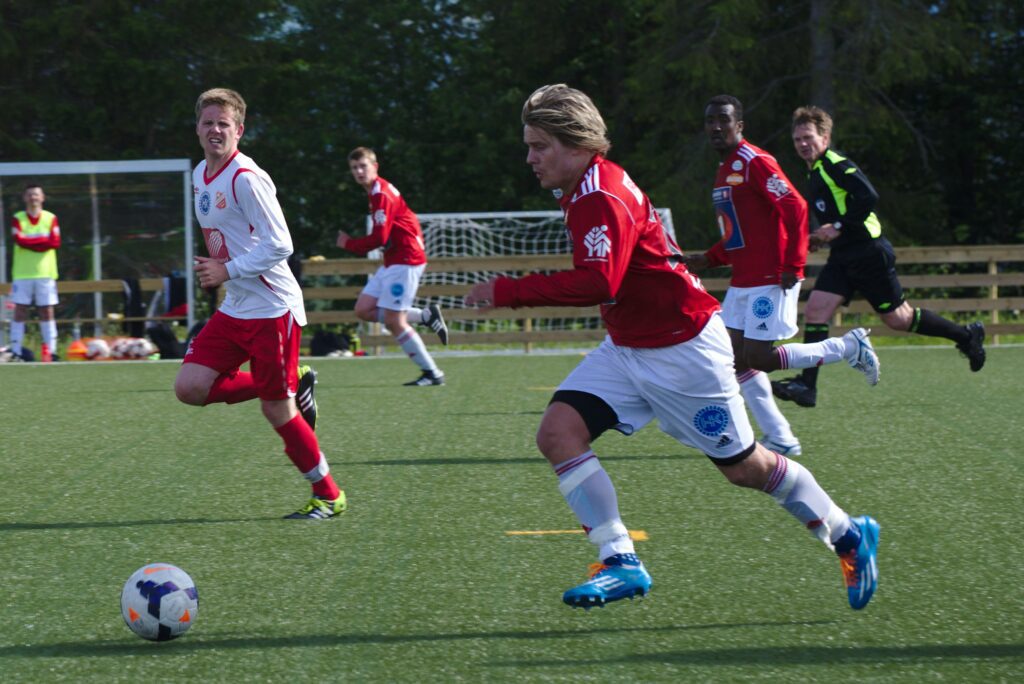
x=258, y=201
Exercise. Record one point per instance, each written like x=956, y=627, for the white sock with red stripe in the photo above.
x=590, y=494
x=757, y=393
x=809, y=355
x=412, y=344
x=796, y=490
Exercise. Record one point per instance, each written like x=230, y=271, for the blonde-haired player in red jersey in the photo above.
x=667, y=356
x=261, y=317
x=390, y=291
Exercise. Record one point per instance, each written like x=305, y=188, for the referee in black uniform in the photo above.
x=860, y=258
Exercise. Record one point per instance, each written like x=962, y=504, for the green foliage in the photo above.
x=924, y=96
x=105, y=471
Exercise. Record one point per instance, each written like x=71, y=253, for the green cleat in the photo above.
x=320, y=509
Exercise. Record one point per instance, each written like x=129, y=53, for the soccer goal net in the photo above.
x=522, y=233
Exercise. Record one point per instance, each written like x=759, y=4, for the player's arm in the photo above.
x=861, y=196
x=258, y=203
x=37, y=243
x=771, y=182
x=602, y=245
x=382, y=212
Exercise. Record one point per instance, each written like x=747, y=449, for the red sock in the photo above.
x=303, y=449
x=231, y=388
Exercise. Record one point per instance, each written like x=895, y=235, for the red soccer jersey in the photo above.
x=395, y=228
x=624, y=261
x=763, y=219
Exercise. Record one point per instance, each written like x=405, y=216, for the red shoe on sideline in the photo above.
x=45, y=355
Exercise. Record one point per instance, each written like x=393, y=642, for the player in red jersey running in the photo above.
x=667, y=356
x=763, y=221
x=389, y=293
x=261, y=317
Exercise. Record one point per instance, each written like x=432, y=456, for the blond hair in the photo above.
x=813, y=115
x=225, y=99
x=568, y=115
x=362, y=153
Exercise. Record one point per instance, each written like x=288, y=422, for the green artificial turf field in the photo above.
x=103, y=471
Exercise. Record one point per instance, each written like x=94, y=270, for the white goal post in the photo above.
x=33, y=170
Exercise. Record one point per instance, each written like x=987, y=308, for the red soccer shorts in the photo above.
x=270, y=345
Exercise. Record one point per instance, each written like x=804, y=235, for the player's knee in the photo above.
x=189, y=393
x=752, y=471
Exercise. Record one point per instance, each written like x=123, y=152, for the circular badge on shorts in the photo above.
x=204, y=203
x=397, y=289
x=711, y=421
x=762, y=307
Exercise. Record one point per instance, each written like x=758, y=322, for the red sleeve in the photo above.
x=382, y=213
x=40, y=243
x=717, y=255
x=603, y=237
x=768, y=178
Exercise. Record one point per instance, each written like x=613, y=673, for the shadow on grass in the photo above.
x=195, y=643
x=99, y=524
x=795, y=655
x=529, y=460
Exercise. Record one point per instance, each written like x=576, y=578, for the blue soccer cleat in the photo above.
x=618, y=577
x=860, y=565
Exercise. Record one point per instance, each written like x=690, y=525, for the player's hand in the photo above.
x=211, y=272
x=695, y=262
x=481, y=296
x=343, y=239
x=788, y=280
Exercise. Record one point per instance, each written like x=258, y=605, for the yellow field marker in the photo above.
x=635, y=535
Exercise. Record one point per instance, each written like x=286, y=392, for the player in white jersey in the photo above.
x=260, y=320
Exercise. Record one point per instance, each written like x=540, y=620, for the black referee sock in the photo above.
x=931, y=324
x=813, y=332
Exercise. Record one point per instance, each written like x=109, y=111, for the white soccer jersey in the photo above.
x=242, y=220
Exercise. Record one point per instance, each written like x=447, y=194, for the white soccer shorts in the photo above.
x=763, y=313
x=38, y=291
x=394, y=287
x=690, y=388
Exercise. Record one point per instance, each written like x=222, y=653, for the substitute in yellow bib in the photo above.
x=34, y=270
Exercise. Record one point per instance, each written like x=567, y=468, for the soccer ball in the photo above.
x=159, y=602
x=97, y=348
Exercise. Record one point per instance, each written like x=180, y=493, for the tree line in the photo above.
x=925, y=95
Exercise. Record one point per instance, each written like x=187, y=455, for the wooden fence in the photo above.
x=1004, y=268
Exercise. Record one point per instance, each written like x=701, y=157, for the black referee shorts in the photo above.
x=868, y=268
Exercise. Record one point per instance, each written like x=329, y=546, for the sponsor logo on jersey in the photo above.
x=378, y=217
x=204, y=203
x=222, y=201
x=762, y=307
x=776, y=186
x=737, y=165
x=711, y=421
x=557, y=193
x=763, y=326
x=724, y=442
x=734, y=178
x=597, y=242
x=820, y=205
